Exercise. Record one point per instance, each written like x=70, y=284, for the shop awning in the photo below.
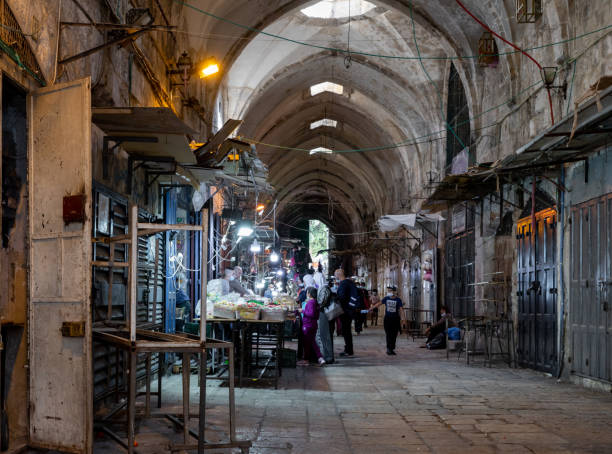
x=409, y=220
x=458, y=188
x=572, y=139
x=154, y=132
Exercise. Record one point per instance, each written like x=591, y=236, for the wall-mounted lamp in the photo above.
x=549, y=74
x=209, y=68
x=186, y=68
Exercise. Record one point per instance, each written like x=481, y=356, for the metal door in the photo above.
x=591, y=289
x=459, y=274
x=60, y=394
x=537, y=292
x=415, y=283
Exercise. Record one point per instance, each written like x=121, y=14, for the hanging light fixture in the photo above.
x=245, y=229
x=528, y=11
x=274, y=257
x=255, y=246
x=487, y=50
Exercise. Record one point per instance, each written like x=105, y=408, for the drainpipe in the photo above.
x=561, y=292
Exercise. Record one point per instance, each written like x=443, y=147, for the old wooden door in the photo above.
x=591, y=289
x=60, y=394
x=537, y=292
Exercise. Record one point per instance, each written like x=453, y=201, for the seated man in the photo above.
x=440, y=325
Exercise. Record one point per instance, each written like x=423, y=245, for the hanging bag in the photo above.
x=333, y=310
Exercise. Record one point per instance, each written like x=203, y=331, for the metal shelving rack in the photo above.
x=134, y=341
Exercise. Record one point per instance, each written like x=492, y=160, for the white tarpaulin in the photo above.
x=395, y=221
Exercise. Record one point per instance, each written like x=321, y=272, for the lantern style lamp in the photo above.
x=528, y=11
x=549, y=75
x=487, y=50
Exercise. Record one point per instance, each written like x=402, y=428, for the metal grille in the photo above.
x=537, y=292
x=109, y=364
x=591, y=289
x=460, y=253
x=457, y=117
x=15, y=44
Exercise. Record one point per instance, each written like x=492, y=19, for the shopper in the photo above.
x=310, y=323
x=394, y=317
x=319, y=279
x=309, y=278
x=348, y=296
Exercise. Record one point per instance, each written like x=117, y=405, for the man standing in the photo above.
x=394, y=316
x=348, y=296
x=234, y=281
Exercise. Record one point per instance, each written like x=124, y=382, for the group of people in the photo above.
x=327, y=307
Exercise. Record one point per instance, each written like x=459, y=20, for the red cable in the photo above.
x=552, y=114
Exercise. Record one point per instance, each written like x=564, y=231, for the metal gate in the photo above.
x=537, y=292
x=591, y=289
x=459, y=267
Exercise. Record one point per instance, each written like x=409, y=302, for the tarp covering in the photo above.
x=410, y=220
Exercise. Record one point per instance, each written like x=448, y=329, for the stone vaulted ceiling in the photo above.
x=266, y=83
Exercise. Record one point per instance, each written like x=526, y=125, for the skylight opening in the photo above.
x=324, y=122
x=338, y=9
x=321, y=150
x=326, y=86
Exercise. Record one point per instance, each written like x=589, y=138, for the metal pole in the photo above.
x=131, y=402
x=232, y=403
x=186, y=375
x=133, y=277
x=203, y=356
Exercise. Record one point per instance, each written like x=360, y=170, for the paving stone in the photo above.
x=417, y=402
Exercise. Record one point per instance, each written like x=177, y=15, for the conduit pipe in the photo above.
x=486, y=27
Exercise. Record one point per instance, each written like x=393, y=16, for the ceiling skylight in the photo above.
x=324, y=122
x=321, y=150
x=326, y=86
x=337, y=9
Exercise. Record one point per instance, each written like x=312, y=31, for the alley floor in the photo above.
x=417, y=401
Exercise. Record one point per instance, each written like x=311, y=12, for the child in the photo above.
x=394, y=316
x=374, y=303
x=310, y=323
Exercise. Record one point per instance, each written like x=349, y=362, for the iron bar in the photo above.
x=93, y=50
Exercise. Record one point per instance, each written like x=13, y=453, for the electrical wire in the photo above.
x=437, y=90
x=370, y=54
x=486, y=27
x=415, y=141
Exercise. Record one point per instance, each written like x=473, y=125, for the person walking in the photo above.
x=348, y=297
x=310, y=322
x=394, y=317
x=319, y=279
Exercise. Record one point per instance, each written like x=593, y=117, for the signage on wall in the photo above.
x=459, y=218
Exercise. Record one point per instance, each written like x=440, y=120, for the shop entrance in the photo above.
x=591, y=289
x=537, y=292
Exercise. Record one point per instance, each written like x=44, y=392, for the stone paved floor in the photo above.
x=415, y=402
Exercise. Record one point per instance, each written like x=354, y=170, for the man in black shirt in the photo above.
x=348, y=296
x=394, y=316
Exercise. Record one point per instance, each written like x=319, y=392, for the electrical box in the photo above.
x=73, y=329
x=74, y=208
